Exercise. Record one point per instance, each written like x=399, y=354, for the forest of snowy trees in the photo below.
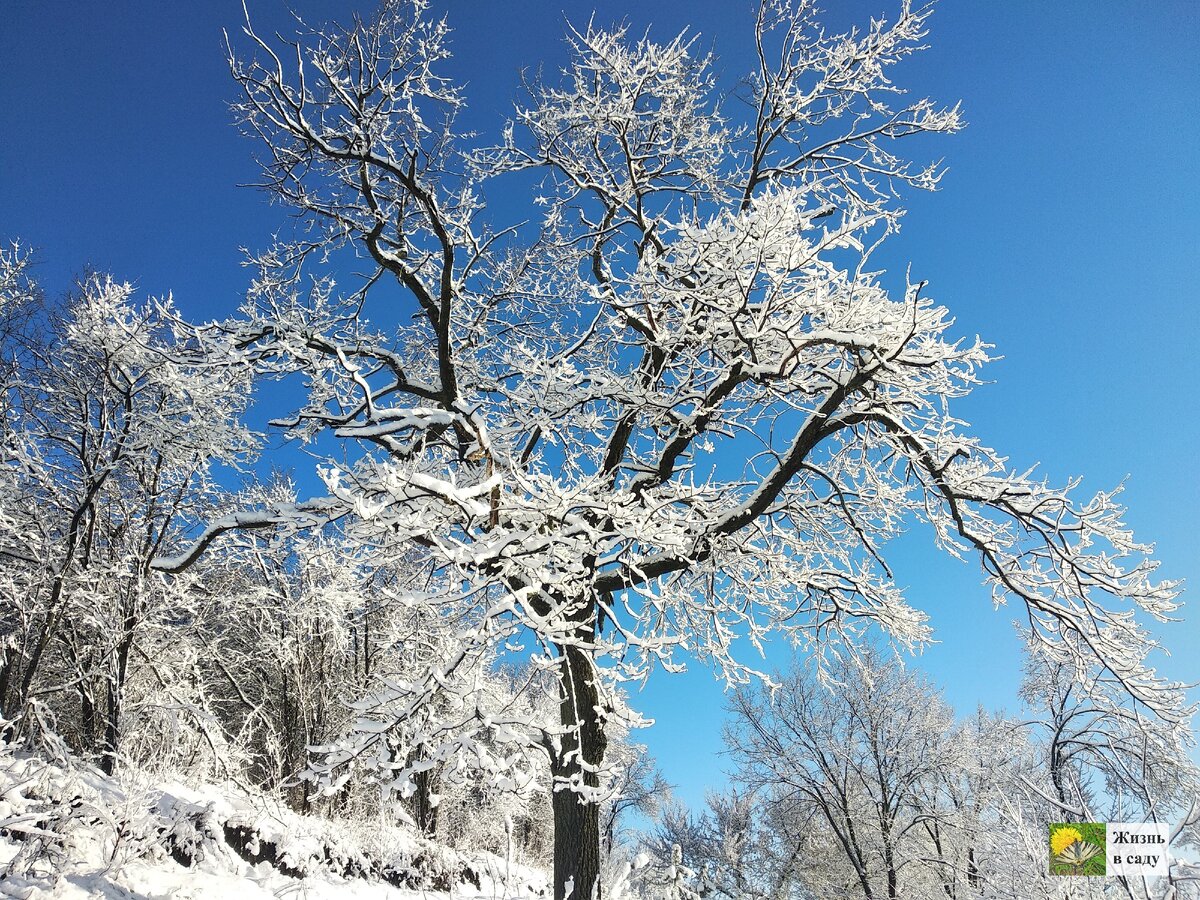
x=664, y=410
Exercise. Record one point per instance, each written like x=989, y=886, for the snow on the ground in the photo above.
x=70, y=832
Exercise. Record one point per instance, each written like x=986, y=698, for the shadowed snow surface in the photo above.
x=70, y=832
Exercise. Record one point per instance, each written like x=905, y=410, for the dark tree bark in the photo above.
x=8, y=671
x=116, y=696
x=116, y=684
x=87, y=716
x=577, y=816
x=424, y=809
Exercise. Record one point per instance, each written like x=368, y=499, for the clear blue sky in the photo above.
x=1067, y=233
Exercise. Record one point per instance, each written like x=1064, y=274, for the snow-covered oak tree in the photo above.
x=676, y=409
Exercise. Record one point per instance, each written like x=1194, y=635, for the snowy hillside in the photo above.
x=72, y=832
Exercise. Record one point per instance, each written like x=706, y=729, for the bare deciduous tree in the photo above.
x=677, y=409
x=859, y=755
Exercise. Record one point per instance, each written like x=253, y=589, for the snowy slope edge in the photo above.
x=69, y=830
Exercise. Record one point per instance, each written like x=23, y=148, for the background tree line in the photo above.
x=666, y=405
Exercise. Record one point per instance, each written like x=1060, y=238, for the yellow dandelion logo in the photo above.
x=1077, y=848
x=1062, y=839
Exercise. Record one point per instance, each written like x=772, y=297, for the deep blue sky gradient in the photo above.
x=1067, y=233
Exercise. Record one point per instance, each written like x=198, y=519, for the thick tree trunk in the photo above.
x=1058, y=765
x=116, y=697
x=576, y=815
x=7, y=671
x=87, y=716
x=893, y=877
x=576, y=847
x=425, y=811
x=112, y=731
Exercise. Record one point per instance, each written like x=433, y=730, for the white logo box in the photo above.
x=1138, y=848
